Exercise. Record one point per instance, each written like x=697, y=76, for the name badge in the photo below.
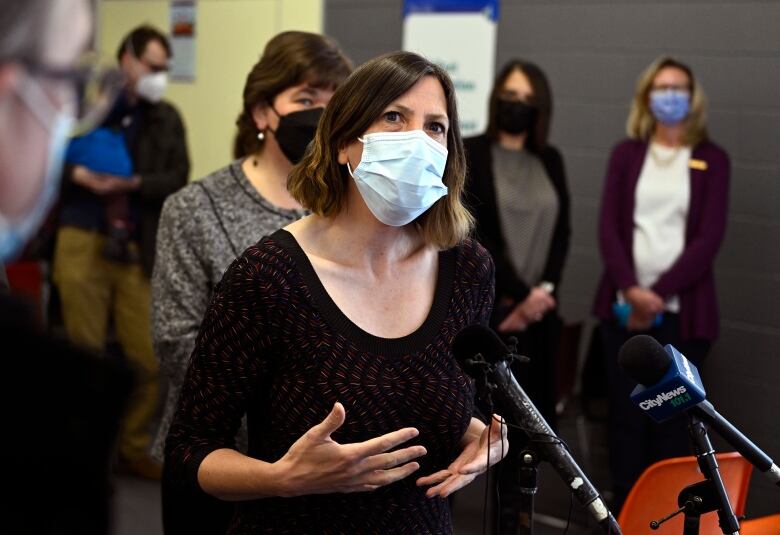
x=699, y=165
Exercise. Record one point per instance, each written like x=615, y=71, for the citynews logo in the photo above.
x=671, y=396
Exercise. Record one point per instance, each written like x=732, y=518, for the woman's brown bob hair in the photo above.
x=542, y=101
x=320, y=183
x=289, y=59
x=641, y=123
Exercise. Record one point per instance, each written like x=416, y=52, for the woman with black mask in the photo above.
x=209, y=223
x=518, y=194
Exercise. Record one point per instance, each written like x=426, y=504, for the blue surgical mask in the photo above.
x=14, y=234
x=400, y=175
x=670, y=106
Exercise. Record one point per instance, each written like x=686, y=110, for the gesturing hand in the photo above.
x=316, y=464
x=472, y=461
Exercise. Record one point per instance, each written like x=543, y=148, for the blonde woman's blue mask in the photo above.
x=670, y=106
x=400, y=175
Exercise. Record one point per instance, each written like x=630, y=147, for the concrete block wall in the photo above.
x=593, y=52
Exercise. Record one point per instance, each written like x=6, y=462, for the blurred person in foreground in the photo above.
x=61, y=407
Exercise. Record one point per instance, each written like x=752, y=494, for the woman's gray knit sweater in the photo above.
x=203, y=227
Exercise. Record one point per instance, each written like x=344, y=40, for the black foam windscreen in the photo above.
x=476, y=339
x=644, y=360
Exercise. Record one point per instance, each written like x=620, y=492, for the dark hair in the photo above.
x=320, y=183
x=290, y=58
x=542, y=100
x=136, y=41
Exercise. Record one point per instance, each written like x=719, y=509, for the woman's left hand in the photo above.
x=479, y=442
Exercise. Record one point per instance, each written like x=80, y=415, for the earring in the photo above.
x=261, y=135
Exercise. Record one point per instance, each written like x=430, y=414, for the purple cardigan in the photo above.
x=691, y=276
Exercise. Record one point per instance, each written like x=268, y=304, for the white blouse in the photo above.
x=662, y=200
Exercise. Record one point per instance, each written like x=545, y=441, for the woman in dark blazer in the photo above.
x=663, y=218
x=518, y=195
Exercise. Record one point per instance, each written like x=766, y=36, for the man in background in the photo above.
x=105, y=244
x=60, y=407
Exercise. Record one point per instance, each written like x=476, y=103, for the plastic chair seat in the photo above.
x=654, y=495
x=765, y=525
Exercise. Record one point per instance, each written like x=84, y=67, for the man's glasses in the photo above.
x=95, y=87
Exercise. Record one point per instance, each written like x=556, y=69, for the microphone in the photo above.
x=669, y=385
x=483, y=356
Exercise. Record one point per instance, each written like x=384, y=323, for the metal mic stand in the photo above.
x=528, y=477
x=708, y=464
x=705, y=496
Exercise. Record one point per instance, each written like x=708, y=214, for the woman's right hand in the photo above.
x=316, y=464
x=530, y=310
x=645, y=302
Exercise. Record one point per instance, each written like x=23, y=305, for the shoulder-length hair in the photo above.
x=320, y=183
x=641, y=123
x=542, y=100
x=289, y=59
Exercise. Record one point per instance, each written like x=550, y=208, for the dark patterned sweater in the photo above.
x=274, y=346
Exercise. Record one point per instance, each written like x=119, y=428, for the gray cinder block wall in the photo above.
x=593, y=52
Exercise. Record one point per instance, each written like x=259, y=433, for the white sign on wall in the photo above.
x=461, y=37
x=182, y=18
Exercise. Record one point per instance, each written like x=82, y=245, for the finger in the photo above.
x=498, y=428
x=503, y=327
x=386, y=461
x=456, y=484
x=452, y=484
x=330, y=424
x=436, y=489
x=497, y=435
x=434, y=478
x=361, y=488
x=384, y=443
x=381, y=478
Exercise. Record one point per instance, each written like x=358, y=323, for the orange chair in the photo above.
x=766, y=525
x=654, y=495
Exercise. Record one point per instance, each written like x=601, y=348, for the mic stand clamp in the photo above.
x=694, y=500
x=528, y=477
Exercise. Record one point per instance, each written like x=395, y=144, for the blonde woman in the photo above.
x=334, y=334
x=663, y=217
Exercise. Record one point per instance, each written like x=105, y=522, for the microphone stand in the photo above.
x=498, y=376
x=705, y=496
x=528, y=477
x=708, y=464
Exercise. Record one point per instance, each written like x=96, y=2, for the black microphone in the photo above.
x=660, y=369
x=483, y=355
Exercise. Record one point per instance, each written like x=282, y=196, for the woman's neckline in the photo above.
x=414, y=341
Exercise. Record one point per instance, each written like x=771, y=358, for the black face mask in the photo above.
x=515, y=117
x=295, y=132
